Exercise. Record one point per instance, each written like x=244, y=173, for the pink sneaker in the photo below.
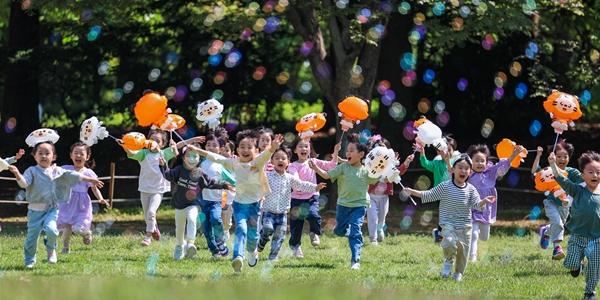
x=156, y=234
x=146, y=241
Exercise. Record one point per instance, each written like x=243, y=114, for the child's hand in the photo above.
x=277, y=141
x=552, y=158
x=19, y=154
x=172, y=143
x=162, y=161
x=445, y=155
x=518, y=149
x=539, y=151
x=230, y=187
x=311, y=164
x=14, y=170
x=343, y=160
x=103, y=202
x=337, y=148
x=489, y=199
x=418, y=147
x=97, y=183
x=198, y=139
x=321, y=186
x=409, y=159
x=154, y=147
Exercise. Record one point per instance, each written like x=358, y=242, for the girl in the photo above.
x=210, y=202
x=585, y=220
x=277, y=202
x=555, y=210
x=227, y=151
x=251, y=186
x=46, y=186
x=483, y=178
x=379, y=194
x=305, y=205
x=152, y=184
x=75, y=216
x=352, y=203
x=457, y=197
x=191, y=182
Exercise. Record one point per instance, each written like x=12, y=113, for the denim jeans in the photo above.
x=36, y=222
x=246, y=220
x=273, y=225
x=212, y=225
x=304, y=210
x=349, y=221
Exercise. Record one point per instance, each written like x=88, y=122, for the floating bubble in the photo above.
x=487, y=127
x=305, y=87
x=306, y=48
x=442, y=118
x=383, y=86
x=10, y=125
x=259, y=73
x=341, y=4
x=324, y=70
x=423, y=183
x=439, y=106
x=488, y=42
x=283, y=77
x=409, y=131
x=513, y=178
x=170, y=92
x=462, y=84
x=521, y=90
x=397, y=111
x=424, y=105
x=246, y=34
x=217, y=94
x=438, y=9
x=364, y=135
x=404, y=7
x=118, y=94
x=500, y=79
x=215, y=60
x=215, y=276
x=515, y=69
x=232, y=125
x=272, y=24
x=428, y=76
x=94, y=33
x=154, y=74
x=405, y=223
x=498, y=93
x=128, y=87
x=323, y=200
x=86, y=15
x=585, y=97
x=419, y=18
x=180, y=93
x=457, y=23
x=233, y=59
x=409, y=210
x=464, y=11
x=151, y=264
x=408, y=61
x=196, y=84
x=219, y=78
x=426, y=217
x=388, y=97
x=103, y=68
x=536, y=213
x=481, y=8
x=594, y=55
x=289, y=137
x=535, y=127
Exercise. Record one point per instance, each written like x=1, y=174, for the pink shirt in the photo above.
x=304, y=172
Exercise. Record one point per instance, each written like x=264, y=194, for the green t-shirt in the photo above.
x=438, y=167
x=585, y=210
x=353, y=183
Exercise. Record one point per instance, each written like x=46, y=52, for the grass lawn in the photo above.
x=405, y=265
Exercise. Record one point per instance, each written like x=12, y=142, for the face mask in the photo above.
x=192, y=159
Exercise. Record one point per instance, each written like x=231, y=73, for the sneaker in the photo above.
x=224, y=252
x=52, y=259
x=87, y=237
x=437, y=237
x=576, y=272
x=355, y=266
x=146, y=241
x=544, y=239
x=261, y=245
x=473, y=258
x=178, y=253
x=374, y=243
x=558, y=253
x=457, y=277
x=156, y=234
x=314, y=239
x=253, y=259
x=237, y=264
x=190, y=251
x=380, y=235
x=298, y=252
x=587, y=296
x=29, y=265
x=446, y=269
x=65, y=250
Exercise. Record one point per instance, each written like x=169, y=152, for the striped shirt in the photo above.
x=455, y=202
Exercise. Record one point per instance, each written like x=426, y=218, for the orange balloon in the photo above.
x=150, y=109
x=172, y=122
x=505, y=148
x=546, y=182
x=354, y=109
x=135, y=141
x=311, y=122
x=563, y=109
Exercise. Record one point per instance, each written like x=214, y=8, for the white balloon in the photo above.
x=3, y=165
x=210, y=112
x=430, y=134
x=382, y=162
x=92, y=131
x=42, y=135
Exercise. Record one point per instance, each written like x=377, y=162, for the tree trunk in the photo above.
x=21, y=93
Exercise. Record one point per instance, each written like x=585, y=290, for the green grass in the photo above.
x=405, y=265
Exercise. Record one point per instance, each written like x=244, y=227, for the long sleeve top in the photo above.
x=190, y=184
x=278, y=200
x=304, y=172
x=485, y=183
x=456, y=202
x=585, y=210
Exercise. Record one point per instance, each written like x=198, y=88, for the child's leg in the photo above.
x=556, y=230
x=484, y=231
x=266, y=229
x=384, y=208
x=179, y=226
x=474, y=238
x=207, y=227
x=66, y=238
x=296, y=223
x=449, y=243
x=51, y=229
x=153, y=204
x=145, y=199
x=342, y=218
x=240, y=213
x=356, y=219
x=314, y=218
x=463, y=244
x=216, y=223
x=191, y=215
x=226, y=215
x=279, y=235
x=253, y=227
x=35, y=221
x=592, y=273
x=372, y=219
x=575, y=252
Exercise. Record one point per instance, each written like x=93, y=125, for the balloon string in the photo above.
x=114, y=138
x=409, y=196
x=177, y=134
x=342, y=136
x=534, y=150
x=555, y=142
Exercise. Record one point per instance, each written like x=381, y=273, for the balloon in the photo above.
x=135, y=141
x=429, y=134
x=545, y=182
x=381, y=161
x=352, y=111
x=42, y=135
x=209, y=112
x=151, y=109
x=3, y=165
x=172, y=122
x=563, y=109
x=310, y=123
x=505, y=149
x=92, y=131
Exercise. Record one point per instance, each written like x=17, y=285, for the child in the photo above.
x=584, y=225
x=277, y=202
x=379, y=194
x=11, y=161
x=305, y=206
x=46, y=186
x=210, y=202
x=556, y=211
x=483, y=178
x=191, y=182
x=75, y=216
x=457, y=197
x=265, y=137
x=440, y=169
x=251, y=185
x=227, y=151
x=352, y=203
x=152, y=184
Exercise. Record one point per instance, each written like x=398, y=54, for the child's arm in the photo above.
x=20, y=179
x=318, y=170
x=99, y=196
x=435, y=194
x=425, y=163
x=215, y=184
x=536, y=161
x=566, y=184
x=404, y=166
x=305, y=186
x=214, y=157
x=94, y=181
x=196, y=139
x=261, y=160
x=13, y=159
x=446, y=158
x=171, y=175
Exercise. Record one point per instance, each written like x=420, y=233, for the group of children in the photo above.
x=260, y=185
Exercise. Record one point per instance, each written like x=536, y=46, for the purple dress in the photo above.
x=485, y=183
x=77, y=212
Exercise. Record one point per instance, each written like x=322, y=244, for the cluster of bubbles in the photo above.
x=94, y=33
x=376, y=32
x=487, y=127
x=387, y=94
x=363, y=15
x=407, y=217
x=500, y=80
x=521, y=90
x=535, y=127
x=409, y=79
x=178, y=93
x=278, y=6
x=217, y=14
x=417, y=34
x=488, y=41
x=532, y=50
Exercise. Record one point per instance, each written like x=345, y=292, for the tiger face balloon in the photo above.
x=42, y=135
x=91, y=131
x=210, y=112
x=380, y=162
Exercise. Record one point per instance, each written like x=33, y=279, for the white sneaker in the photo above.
x=178, y=253
x=374, y=243
x=298, y=252
x=52, y=259
x=29, y=265
x=253, y=259
x=237, y=264
x=314, y=239
x=446, y=269
x=355, y=266
x=380, y=235
x=473, y=258
x=190, y=251
x=457, y=277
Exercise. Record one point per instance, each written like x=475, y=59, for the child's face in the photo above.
x=264, y=140
x=280, y=161
x=213, y=146
x=353, y=155
x=247, y=149
x=191, y=159
x=226, y=151
x=79, y=156
x=159, y=139
x=562, y=158
x=302, y=150
x=479, y=162
x=44, y=155
x=591, y=174
x=461, y=170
